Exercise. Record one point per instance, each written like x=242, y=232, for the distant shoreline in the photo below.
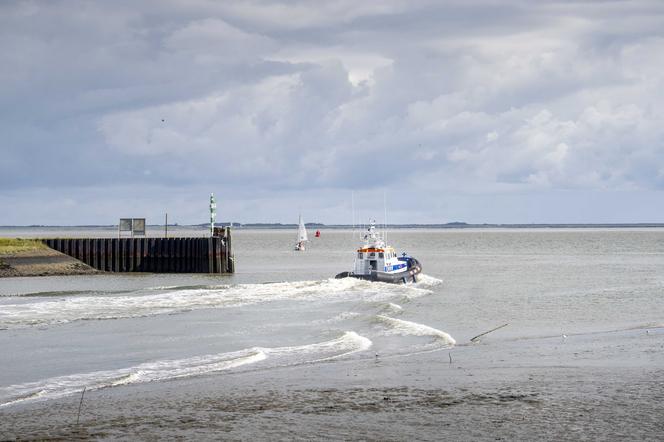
x=454, y=225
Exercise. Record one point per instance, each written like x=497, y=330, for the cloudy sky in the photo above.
x=483, y=111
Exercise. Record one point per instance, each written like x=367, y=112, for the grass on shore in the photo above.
x=9, y=246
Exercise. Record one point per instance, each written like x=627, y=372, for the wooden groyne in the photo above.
x=156, y=255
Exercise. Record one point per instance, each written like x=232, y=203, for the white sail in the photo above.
x=302, y=231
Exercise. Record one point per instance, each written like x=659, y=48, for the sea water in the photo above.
x=592, y=293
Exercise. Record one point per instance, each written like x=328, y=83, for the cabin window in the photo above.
x=380, y=255
x=359, y=255
x=372, y=255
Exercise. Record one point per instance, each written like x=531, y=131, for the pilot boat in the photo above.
x=376, y=261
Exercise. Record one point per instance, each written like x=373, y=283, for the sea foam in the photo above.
x=60, y=386
x=41, y=311
x=405, y=328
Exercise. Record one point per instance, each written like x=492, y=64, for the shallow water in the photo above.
x=582, y=299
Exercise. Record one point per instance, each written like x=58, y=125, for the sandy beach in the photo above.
x=41, y=262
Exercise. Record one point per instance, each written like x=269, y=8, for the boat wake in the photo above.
x=52, y=310
x=258, y=357
x=401, y=327
x=427, y=281
x=392, y=308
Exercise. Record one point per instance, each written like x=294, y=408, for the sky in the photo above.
x=473, y=111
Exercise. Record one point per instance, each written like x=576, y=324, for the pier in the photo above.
x=156, y=255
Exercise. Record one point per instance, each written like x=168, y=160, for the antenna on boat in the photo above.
x=352, y=205
x=385, y=219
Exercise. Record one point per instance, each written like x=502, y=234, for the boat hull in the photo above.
x=409, y=275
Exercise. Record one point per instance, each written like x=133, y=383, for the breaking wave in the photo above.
x=392, y=308
x=407, y=328
x=56, y=387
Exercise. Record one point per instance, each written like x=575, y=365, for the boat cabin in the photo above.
x=377, y=259
x=376, y=256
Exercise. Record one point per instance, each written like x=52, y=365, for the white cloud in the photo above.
x=360, y=65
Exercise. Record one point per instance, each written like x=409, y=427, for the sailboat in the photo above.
x=301, y=236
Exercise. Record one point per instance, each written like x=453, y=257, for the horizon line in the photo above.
x=450, y=225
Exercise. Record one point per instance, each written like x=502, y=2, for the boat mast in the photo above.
x=385, y=219
x=352, y=205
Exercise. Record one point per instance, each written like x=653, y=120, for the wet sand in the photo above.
x=553, y=395
x=41, y=262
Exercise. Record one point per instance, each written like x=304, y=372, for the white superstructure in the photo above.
x=376, y=256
